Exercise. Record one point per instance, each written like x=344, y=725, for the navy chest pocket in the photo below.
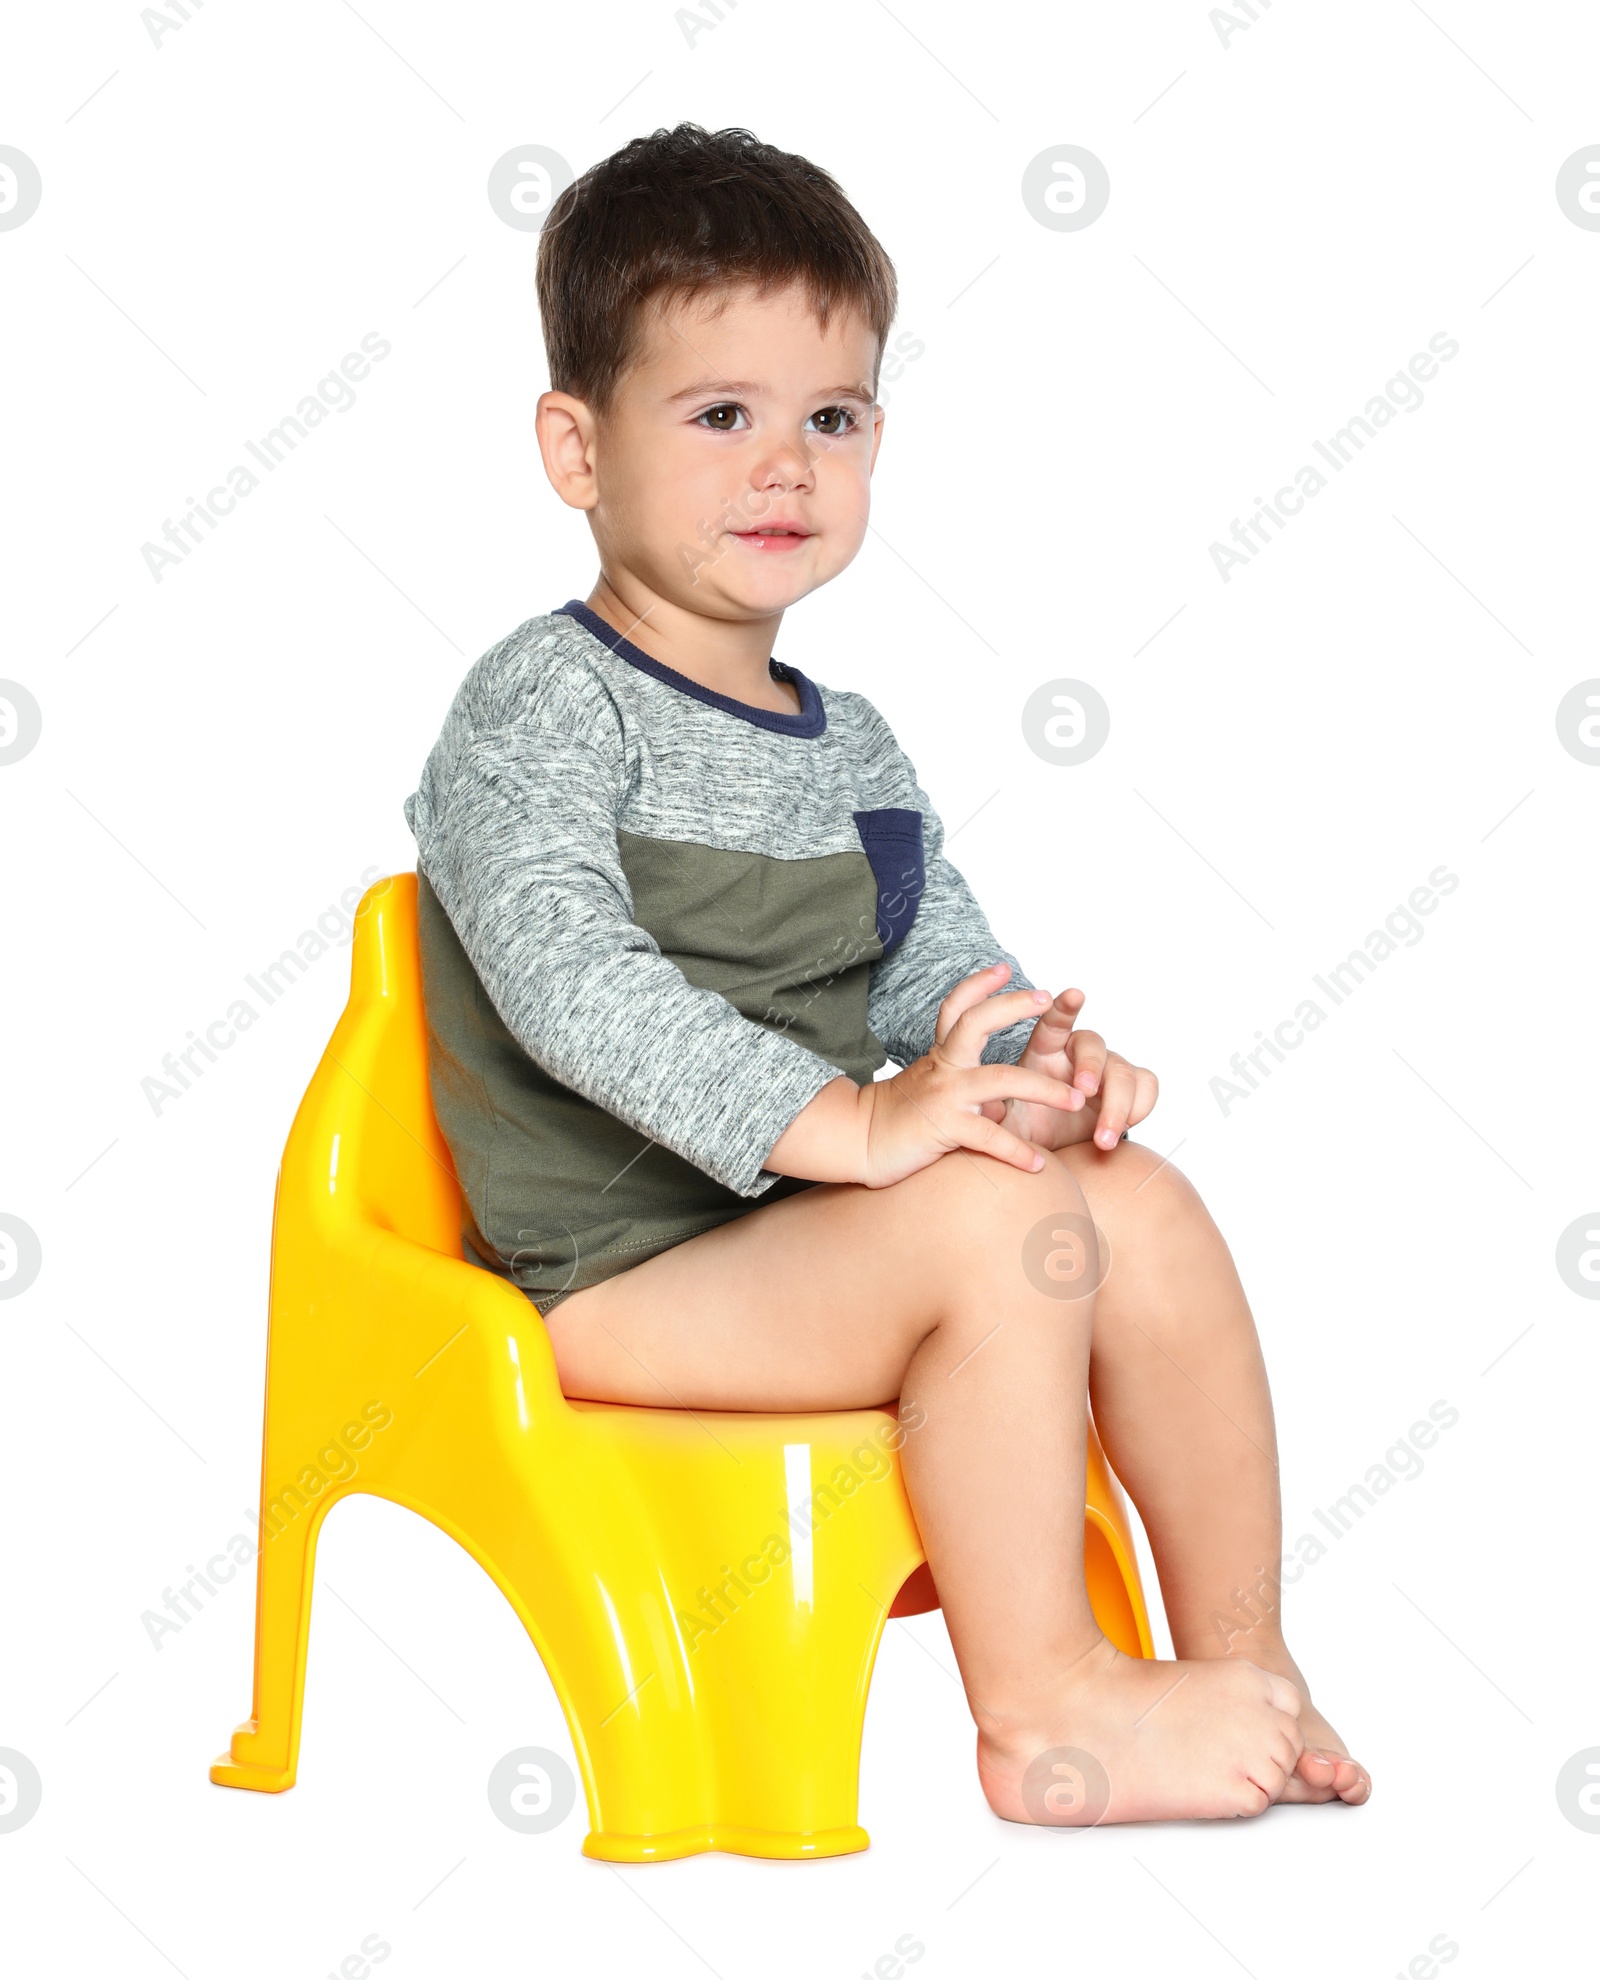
x=892, y=841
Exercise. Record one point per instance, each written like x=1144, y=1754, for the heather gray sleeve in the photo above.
x=516, y=832
x=949, y=939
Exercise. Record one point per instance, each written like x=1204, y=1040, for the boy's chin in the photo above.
x=753, y=595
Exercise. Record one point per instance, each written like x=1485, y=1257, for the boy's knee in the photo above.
x=1134, y=1174
x=981, y=1189
x=985, y=1216
x=1058, y=1180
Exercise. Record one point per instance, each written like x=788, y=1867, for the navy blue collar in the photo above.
x=811, y=721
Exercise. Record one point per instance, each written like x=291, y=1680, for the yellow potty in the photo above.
x=706, y=1590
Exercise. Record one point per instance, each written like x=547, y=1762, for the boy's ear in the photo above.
x=877, y=437
x=566, y=430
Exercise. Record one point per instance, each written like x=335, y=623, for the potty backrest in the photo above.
x=365, y=1146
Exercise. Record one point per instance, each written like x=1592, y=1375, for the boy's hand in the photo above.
x=1116, y=1093
x=949, y=1099
x=880, y=1133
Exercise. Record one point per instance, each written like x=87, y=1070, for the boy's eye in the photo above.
x=832, y=421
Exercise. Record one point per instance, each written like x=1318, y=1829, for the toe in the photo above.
x=1271, y=1778
x=1294, y=1733
x=1318, y=1769
x=1313, y=1778
x=1322, y=1775
x=1282, y=1694
x=1353, y=1782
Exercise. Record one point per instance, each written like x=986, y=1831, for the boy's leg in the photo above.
x=1183, y=1409
x=843, y=1297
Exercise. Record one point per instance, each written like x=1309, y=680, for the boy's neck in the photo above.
x=729, y=656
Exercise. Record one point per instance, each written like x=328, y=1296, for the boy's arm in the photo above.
x=517, y=836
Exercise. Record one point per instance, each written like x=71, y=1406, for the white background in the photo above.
x=225, y=215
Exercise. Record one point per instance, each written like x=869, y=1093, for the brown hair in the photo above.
x=686, y=211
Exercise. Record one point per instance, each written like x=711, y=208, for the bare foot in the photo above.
x=1123, y=1739
x=1325, y=1770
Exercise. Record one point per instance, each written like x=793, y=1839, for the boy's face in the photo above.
x=730, y=474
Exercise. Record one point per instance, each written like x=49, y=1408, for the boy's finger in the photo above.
x=1054, y=1028
x=988, y=1015
x=987, y=1138
x=1116, y=1100
x=1089, y=1056
x=979, y=1083
x=969, y=991
x=1142, y=1091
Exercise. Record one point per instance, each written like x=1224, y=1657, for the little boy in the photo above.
x=678, y=905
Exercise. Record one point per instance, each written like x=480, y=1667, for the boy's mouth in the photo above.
x=772, y=537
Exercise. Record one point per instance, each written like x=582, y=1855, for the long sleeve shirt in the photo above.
x=654, y=923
